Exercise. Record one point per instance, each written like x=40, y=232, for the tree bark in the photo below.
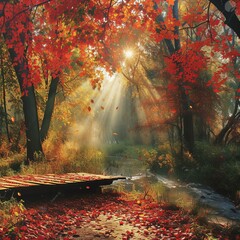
x=49, y=108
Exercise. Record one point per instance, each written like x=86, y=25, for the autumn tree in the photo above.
x=52, y=30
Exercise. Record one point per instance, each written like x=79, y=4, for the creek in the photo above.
x=203, y=200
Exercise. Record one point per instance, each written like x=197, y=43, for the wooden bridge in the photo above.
x=30, y=185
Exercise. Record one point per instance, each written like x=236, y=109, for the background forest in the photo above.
x=154, y=80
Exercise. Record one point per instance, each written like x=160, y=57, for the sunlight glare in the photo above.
x=128, y=53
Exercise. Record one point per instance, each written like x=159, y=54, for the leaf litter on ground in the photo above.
x=105, y=216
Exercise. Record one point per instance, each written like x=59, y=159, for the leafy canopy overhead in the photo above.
x=92, y=33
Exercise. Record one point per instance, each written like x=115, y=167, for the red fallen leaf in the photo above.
x=121, y=222
x=24, y=228
x=129, y=233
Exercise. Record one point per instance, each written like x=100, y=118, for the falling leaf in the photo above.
x=116, y=108
x=89, y=109
x=102, y=107
x=92, y=101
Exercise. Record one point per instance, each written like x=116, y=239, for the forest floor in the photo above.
x=107, y=216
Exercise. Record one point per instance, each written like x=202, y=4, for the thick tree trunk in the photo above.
x=229, y=13
x=31, y=124
x=20, y=65
x=29, y=110
x=49, y=108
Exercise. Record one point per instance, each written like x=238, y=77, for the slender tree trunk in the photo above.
x=4, y=101
x=187, y=115
x=49, y=108
x=232, y=120
x=188, y=132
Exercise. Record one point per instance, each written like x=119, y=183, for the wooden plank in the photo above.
x=10, y=180
x=57, y=179
x=30, y=179
x=6, y=183
x=68, y=180
x=63, y=179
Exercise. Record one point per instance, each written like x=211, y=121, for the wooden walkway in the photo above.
x=20, y=185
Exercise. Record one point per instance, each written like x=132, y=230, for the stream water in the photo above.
x=202, y=199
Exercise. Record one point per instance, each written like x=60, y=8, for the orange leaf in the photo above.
x=171, y=2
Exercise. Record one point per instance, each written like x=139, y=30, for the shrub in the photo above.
x=11, y=165
x=10, y=215
x=160, y=158
x=216, y=166
x=82, y=160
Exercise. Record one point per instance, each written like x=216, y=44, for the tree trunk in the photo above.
x=187, y=115
x=20, y=64
x=31, y=124
x=4, y=101
x=220, y=138
x=49, y=108
x=188, y=129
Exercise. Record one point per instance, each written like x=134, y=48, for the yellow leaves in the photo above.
x=119, y=69
x=16, y=214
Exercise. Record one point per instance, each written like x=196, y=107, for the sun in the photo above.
x=128, y=53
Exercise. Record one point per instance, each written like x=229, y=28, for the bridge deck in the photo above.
x=28, y=184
